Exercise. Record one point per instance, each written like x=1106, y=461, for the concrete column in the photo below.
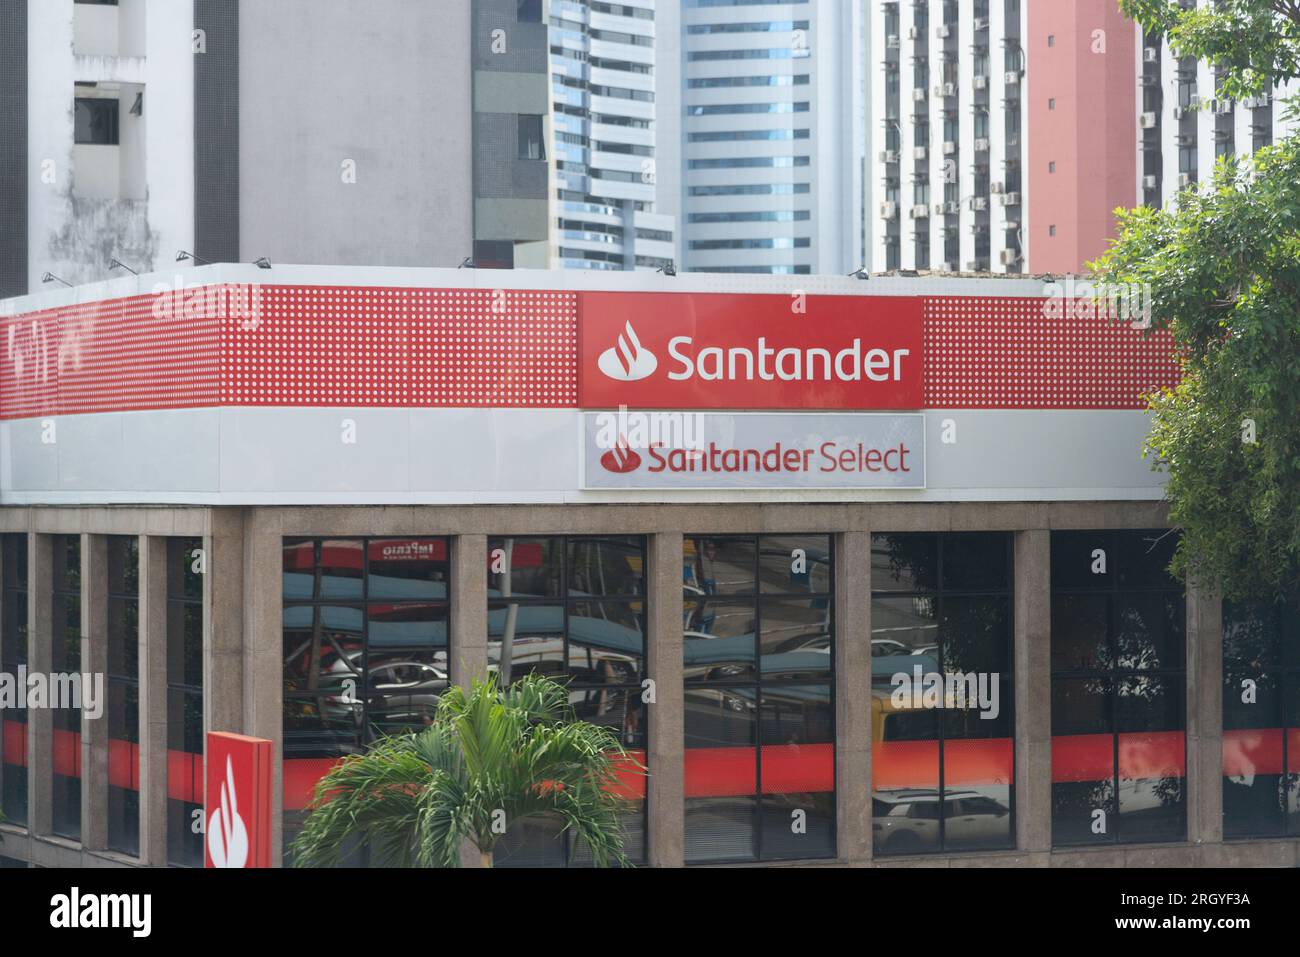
x=40, y=658
x=1204, y=715
x=263, y=656
x=1033, y=694
x=153, y=700
x=94, y=662
x=223, y=622
x=468, y=629
x=666, y=753
x=469, y=626
x=853, y=696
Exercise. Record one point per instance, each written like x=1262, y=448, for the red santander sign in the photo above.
x=752, y=351
x=237, y=816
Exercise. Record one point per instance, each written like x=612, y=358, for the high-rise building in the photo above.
x=768, y=134
x=394, y=132
x=603, y=76
x=1185, y=125
x=999, y=128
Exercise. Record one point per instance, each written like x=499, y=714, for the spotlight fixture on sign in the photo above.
x=118, y=264
x=182, y=255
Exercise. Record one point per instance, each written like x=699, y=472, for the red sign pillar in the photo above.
x=237, y=815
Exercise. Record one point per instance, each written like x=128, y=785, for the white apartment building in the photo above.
x=1185, y=125
x=763, y=146
x=603, y=76
x=946, y=137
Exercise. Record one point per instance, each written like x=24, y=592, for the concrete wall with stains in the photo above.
x=74, y=236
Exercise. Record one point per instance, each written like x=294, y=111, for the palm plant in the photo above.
x=491, y=758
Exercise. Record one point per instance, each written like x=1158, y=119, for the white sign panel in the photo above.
x=752, y=450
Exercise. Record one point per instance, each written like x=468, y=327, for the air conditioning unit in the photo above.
x=1012, y=78
x=981, y=83
x=1148, y=182
x=1179, y=112
x=1194, y=102
x=981, y=24
x=920, y=211
x=947, y=267
x=952, y=208
x=1263, y=99
x=1147, y=121
x=1184, y=180
x=979, y=203
x=1222, y=106
x=1012, y=225
x=1250, y=103
x=995, y=188
x=981, y=144
x=918, y=94
x=891, y=41
x=888, y=210
x=938, y=209
x=949, y=147
x=1151, y=55
x=889, y=156
x=942, y=31
x=912, y=33
x=1011, y=199
x=918, y=153
x=974, y=265
x=1009, y=257
x=1185, y=139
x=950, y=89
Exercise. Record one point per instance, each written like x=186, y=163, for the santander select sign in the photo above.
x=715, y=351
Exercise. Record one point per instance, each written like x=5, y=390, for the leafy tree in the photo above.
x=1223, y=269
x=492, y=757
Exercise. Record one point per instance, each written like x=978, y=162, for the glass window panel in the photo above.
x=403, y=689
x=795, y=637
x=606, y=566
x=794, y=826
x=606, y=642
x=1149, y=630
x=1144, y=558
x=976, y=562
x=904, y=562
x=525, y=638
x=1074, y=558
x=339, y=574
x=1081, y=706
x=408, y=568
x=1149, y=703
x=1080, y=630
x=123, y=565
x=975, y=635
x=719, y=642
x=619, y=709
x=1083, y=810
x=721, y=829
x=795, y=564
x=719, y=566
x=123, y=637
x=394, y=629
x=525, y=567
x=903, y=629
x=184, y=568
x=977, y=817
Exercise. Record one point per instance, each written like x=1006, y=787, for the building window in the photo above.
x=530, y=138
x=1261, y=719
x=942, y=702
x=1051, y=166
x=529, y=11
x=1051, y=103
x=758, y=658
x=13, y=655
x=1051, y=39
x=573, y=609
x=1118, y=677
x=185, y=702
x=66, y=659
x=123, y=694
x=1051, y=230
x=95, y=121
x=365, y=651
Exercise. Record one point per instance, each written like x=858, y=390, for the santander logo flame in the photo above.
x=621, y=459
x=227, y=835
x=628, y=361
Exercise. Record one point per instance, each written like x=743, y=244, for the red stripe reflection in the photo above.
x=1091, y=757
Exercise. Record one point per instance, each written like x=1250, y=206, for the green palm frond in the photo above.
x=492, y=755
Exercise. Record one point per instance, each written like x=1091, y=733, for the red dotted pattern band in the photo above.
x=398, y=347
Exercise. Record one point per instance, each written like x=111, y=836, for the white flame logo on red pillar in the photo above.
x=628, y=361
x=227, y=835
x=621, y=459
